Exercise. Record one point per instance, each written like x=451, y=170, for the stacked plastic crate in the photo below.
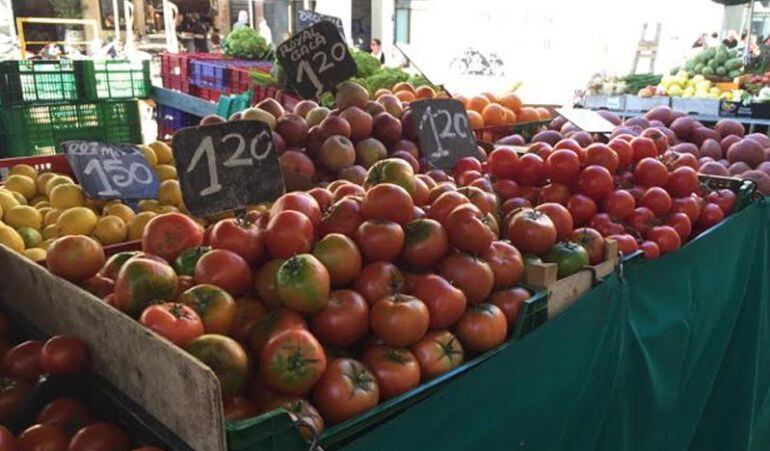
x=43, y=103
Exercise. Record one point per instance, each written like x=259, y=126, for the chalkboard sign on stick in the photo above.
x=227, y=166
x=316, y=59
x=443, y=131
x=306, y=18
x=111, y=171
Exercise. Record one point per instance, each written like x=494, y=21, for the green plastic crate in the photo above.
x=115, y=79
x=24, y=82
x=37, y=130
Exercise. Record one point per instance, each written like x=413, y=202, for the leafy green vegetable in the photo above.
x=385, y=79
x=246, y=43
x=366, y=63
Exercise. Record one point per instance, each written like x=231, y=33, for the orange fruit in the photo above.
x=511, y=101
x=405, y=96
x=494, y=114
x=492, y=98
x=475, y=120
x=543, y=113
x=477, y=103
x=403, y=86
x=510, y=116
x=527, y=114
x=381, y=92
x=463, y=100
x=424, y=92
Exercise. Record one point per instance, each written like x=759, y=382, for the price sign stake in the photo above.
x=443, y=131
x=111, y=171
x=316, y=59
x=227, y=166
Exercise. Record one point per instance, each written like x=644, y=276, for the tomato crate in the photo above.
x=38, y=81
x=115, y=79
x=38, y=129
x=745, y=190
x=275, y=430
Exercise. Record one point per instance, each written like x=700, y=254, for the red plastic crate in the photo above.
x=46, y=163
x=239, y=80
x=211, y=95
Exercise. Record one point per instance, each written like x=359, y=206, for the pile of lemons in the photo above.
x=37, y=208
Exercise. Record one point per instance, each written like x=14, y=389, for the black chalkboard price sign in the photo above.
x=111, y=171
x=443, y=131
x=306, y=18
x=227, y=166
x=316, y=59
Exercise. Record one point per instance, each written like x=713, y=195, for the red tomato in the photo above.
x=530, y=170
x=440, y=189
x=506, y=188
x=560, y=217
x=298, y=201
x=642, y=219
x=445, y=303
x=289, y=233
x=665, y=237
x=23, y=361
x=554, y=192
x=467, y=229
x=348, y=189
x=502, y=162
x=245, y=239
x=240, y=408
x=686, y=160
x=482, y=327
x=506, y=263
x=658, y=137
x=687, y=205
x=444, y=205
x=619, y=204
x=595, y=182
x=471, y=275
x=344, y=320
x=604, y=224
x=292, y=361
x=532, y=231
x=266, y=284
x=582, y=208
x=388, y=202
x=683, y=182
x=568, y=143
x=101, y=437
x=248, y=313
x=44, y=437
x=515, y=203
x=224, y=269
x=421, y=192
x=602, y=155
x=465, y=178
x=303, y=284
x=562, y=166
x=341, y=257
x=531, y=193
x=69, y=414
x=484, y=184
x=323, y=197
x=399, y=319
x=651, y=249
x=425, y=243
x=380, y=240
x=592, y=241
x=486, y=202
x=651, y=172
x=438, y=352
x=167, y=235
x=643, y=148
x=627, y=244
x=13, y=395
x=710, y=215
x=623, y=151
x=681, y=223
x=510, y=300
x=64, y=355
x=396, y=369
x=343, y=216
x=310, y=423
x=724, y=198
x=466, y=164
x=377, y=280
x=657, y=200
x=177, y=322
x=347, y=389
x=275, y=321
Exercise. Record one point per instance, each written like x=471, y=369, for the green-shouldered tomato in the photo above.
x=570, y=258
x=114, y=263
x=292, y=361
x=142, y=281
x=391, y=170
x=186, y=261
x=225, y=357
x=214, y=305
x=425, y=243
x=266, y=283
x=303, y=284
x=276, y=321
x=341, y=257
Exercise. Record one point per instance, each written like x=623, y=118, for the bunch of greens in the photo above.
x=246, y=43
x=366, y=63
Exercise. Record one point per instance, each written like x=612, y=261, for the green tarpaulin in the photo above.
x=672, y=355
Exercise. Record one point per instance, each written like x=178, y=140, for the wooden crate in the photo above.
x=562, y=293
x=174, y=387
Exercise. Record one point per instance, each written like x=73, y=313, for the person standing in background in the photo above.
x=376, y=47
x=243, y=19
x=200, y=33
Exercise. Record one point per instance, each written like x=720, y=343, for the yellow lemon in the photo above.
x=169, y=193
x=43, y=211
x=23, y=216
x=148, y=205
x=21, y=184
x=168, y=209
x=46, y=244
x=77, y=221
x=50, y=231
x=52, y=216
x=122, y=211
x=20, y=198
x=137, y=224
x=110, y=230
x=30, y=236
x=166, y=172
x=35, y=254
x=11, y=239
x=42, y=179
x=23, y=169
x=162, y=152
x=96, y=204
x=149, y=155
x=37, y=199
x=67, y=196
x=56, y=181
x=7, y=200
